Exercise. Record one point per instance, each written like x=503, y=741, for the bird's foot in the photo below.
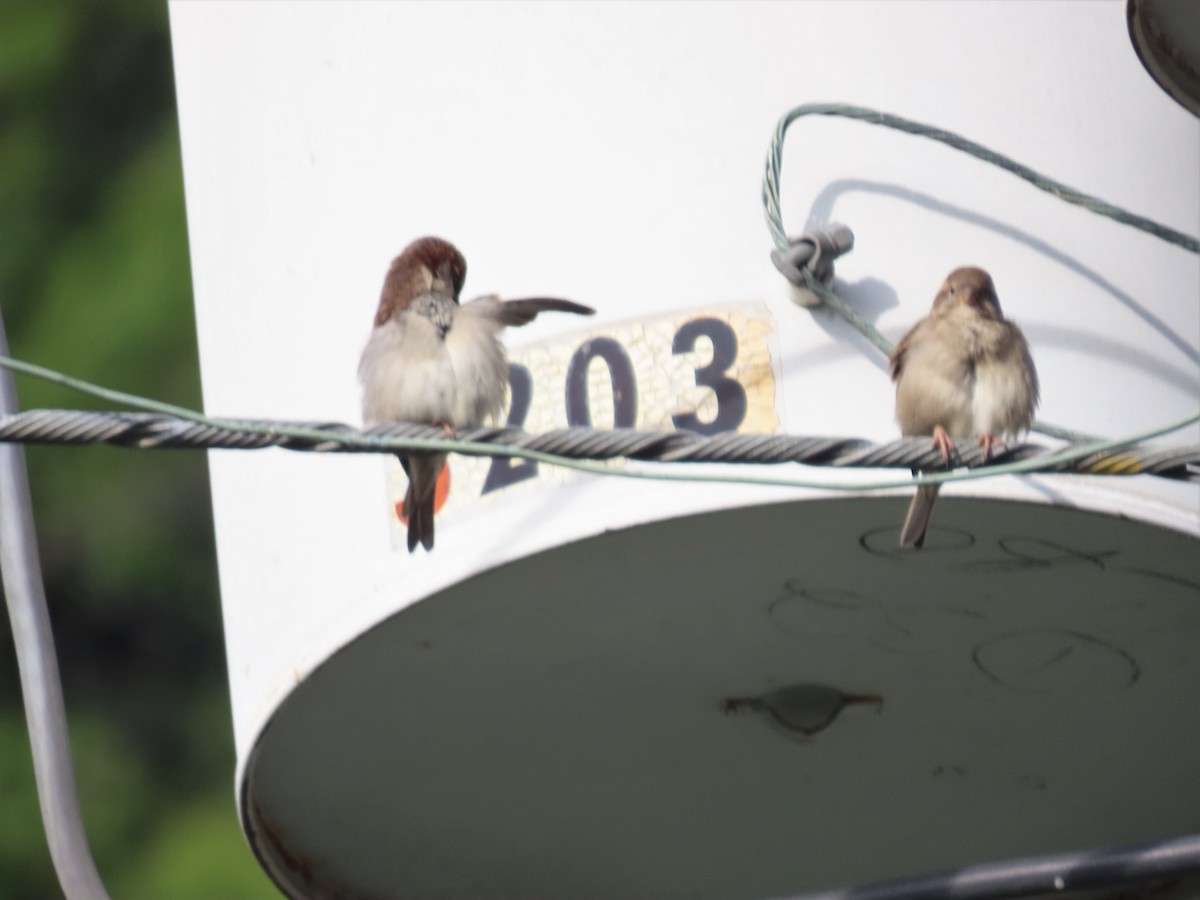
x=445, y=426
x=943, y=442
x=987, y=442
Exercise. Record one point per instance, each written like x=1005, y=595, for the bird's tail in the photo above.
x=420, y=521
x=915, y=523
x=423, y=472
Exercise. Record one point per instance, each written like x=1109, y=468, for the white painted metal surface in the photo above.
x=612, y=154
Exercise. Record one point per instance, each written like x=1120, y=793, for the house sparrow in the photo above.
x=964, y=371
x=431, y=360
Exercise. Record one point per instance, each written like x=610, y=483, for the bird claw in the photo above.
x=987, y=442
x=943, y=442
x=445, y=426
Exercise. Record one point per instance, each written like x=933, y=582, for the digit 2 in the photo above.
x=504, y=470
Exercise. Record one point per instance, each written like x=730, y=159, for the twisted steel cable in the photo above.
x=152, y=431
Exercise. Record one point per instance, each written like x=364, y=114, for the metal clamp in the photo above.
x=811, y=255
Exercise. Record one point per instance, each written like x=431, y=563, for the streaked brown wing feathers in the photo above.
x=524, y=311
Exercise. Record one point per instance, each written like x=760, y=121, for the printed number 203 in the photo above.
x=730, y=394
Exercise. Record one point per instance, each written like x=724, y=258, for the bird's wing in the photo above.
x=1014, y=349
x=896, y=360
x=519, y=312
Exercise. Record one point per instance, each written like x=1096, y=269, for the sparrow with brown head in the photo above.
x=430, y=359
x=963, y=371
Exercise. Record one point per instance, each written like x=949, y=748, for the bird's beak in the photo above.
x=443, y=279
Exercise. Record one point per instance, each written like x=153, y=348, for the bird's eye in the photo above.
x=953, y=289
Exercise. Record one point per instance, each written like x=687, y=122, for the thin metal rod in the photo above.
x=1061, y=874
x=40, y=684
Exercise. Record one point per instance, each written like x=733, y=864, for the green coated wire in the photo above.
x=633, y=470
x=874, y=117
x=771, y=204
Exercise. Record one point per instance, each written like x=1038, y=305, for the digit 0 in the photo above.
x=620, y=373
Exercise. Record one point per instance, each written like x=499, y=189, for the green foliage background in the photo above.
x=94, y=281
